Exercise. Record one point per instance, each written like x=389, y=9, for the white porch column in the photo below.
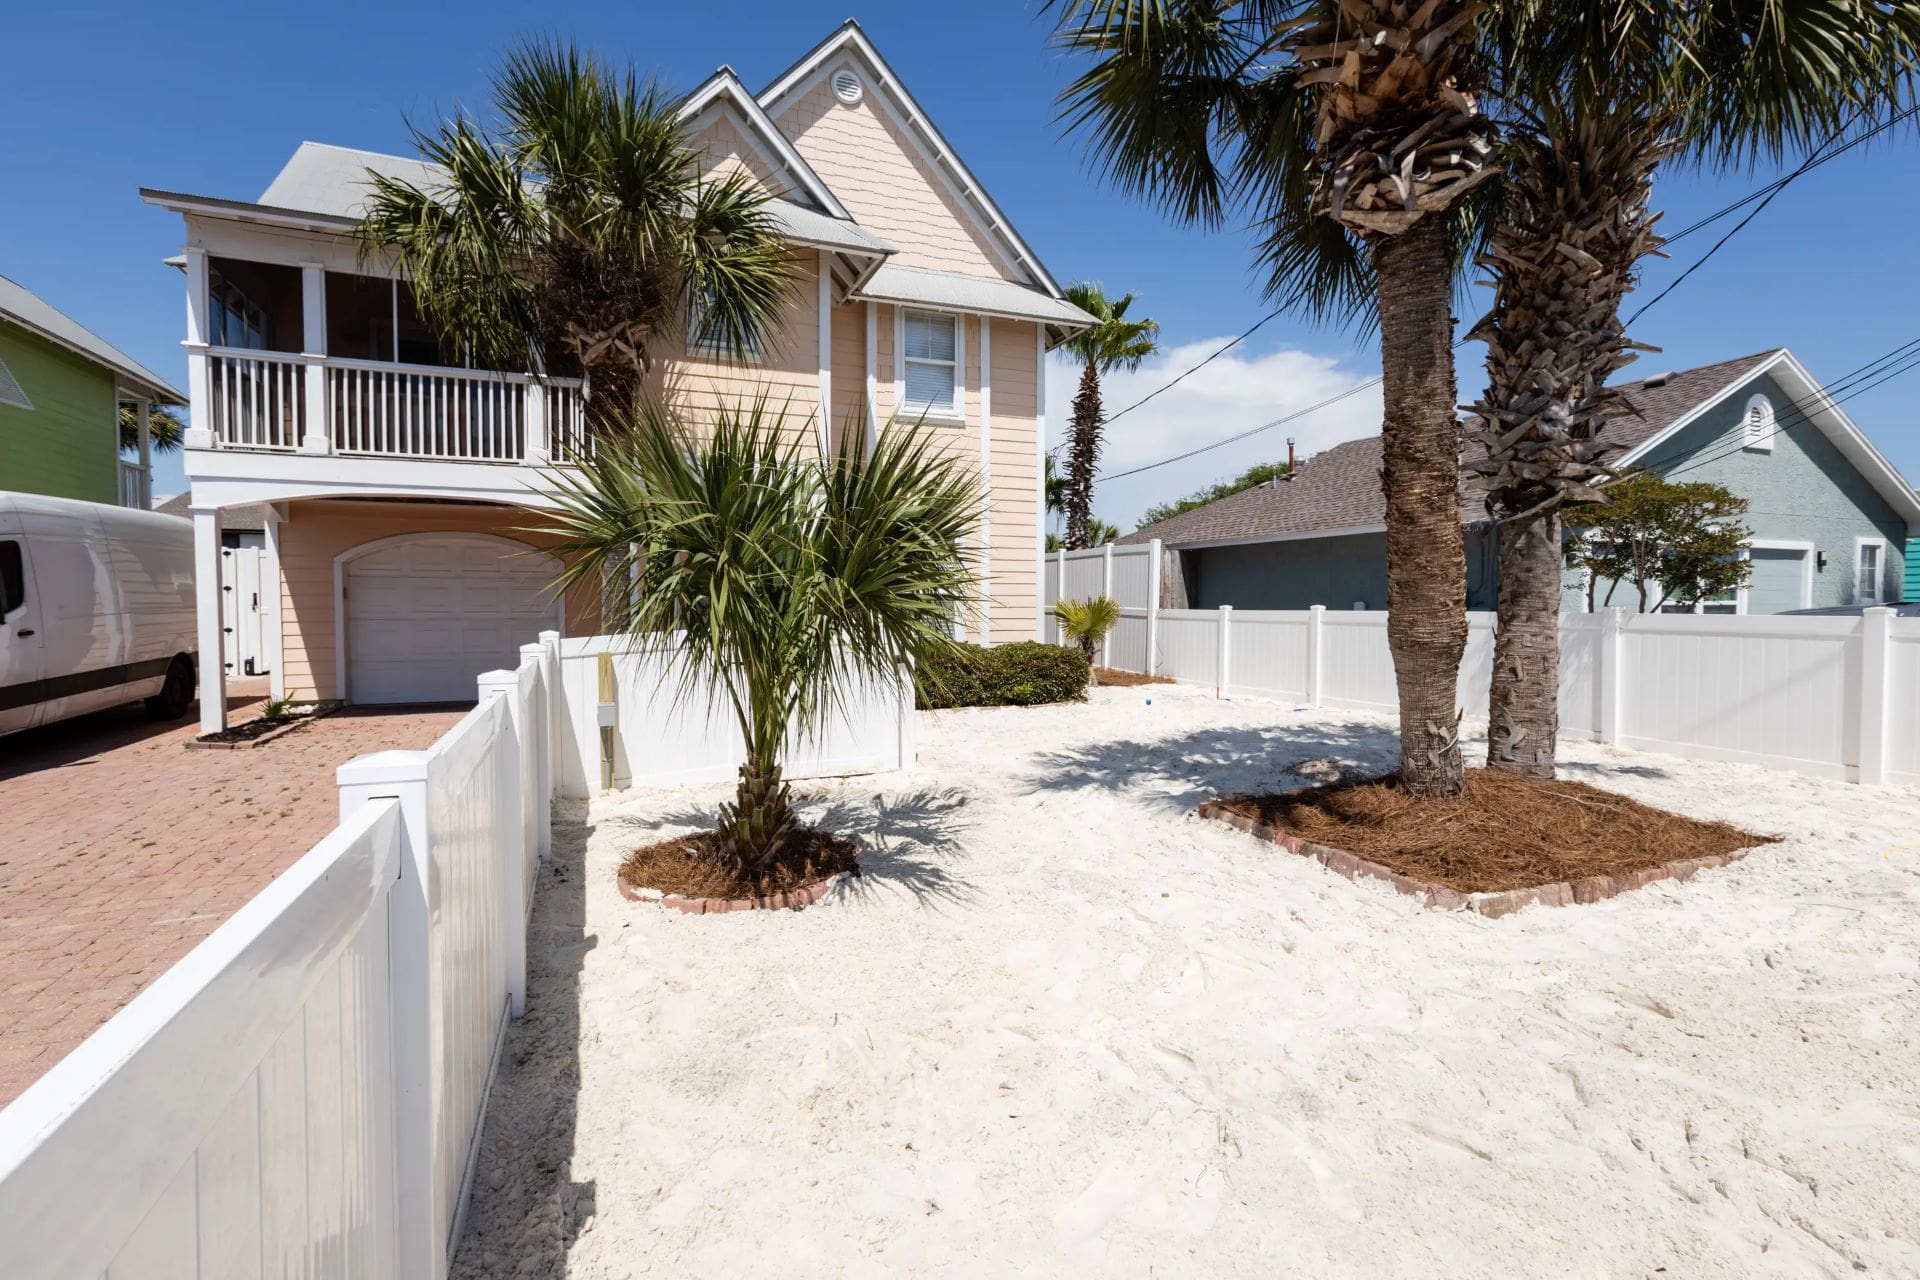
x=270, y=587
x=536, y=450
x=206, y=592
x=986, y=480
x=144, y=413
x=199, y=383
x=313, y=355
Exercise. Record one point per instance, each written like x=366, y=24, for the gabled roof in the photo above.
x=849, y=37
x=978, y=295
x=324, y=187
x=723, y=89
x=22, y=307
x=1338, y=491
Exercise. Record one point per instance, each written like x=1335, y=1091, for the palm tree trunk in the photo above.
x=1083, y=454
x=754, y=829
x=1420, y=473
x=1523, y=711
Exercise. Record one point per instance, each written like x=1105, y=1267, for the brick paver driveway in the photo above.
x=120, y=849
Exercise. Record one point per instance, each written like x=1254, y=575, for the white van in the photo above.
x=96, y=609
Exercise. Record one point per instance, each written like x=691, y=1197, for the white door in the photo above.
x=242, y=613
x=425, y=616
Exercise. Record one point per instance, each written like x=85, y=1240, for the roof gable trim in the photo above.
x=723, y=89
x=920, y=127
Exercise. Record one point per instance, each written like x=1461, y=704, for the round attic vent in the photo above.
x=846, y=86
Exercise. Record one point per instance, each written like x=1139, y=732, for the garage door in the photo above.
x=428, y=615
x=1779, y=581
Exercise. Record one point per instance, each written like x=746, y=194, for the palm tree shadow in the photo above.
x=1178, y=773
x=526, y=1210
x=906, y=839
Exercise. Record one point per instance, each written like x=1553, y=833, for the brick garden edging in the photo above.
x=1562, y=893
x=790, y=900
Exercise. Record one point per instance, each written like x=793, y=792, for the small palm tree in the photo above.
x=165, y=432
x=578, y=232
x=778, y=581
x=1086, y=622
x=1113, y=342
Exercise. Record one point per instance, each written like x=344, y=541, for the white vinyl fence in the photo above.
x=662, y=738
x=301, y=1094
x=1835, y=697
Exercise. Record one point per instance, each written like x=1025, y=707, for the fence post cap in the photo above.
x=533, y=650
x=381, y=767
x=498, y=679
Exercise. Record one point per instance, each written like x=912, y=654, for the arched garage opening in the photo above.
x=422, y=614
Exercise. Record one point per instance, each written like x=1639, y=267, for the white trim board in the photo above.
x=724, y=86
x=1880, y=568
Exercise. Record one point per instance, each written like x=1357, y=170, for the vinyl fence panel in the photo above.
x=1903, y=701
x=1189, y=646
x=1357, y=666
x=1127, y=642
x=239, y=1112
x=666, y=735
x=1270, y=652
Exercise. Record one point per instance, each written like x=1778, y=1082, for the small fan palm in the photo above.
x=577, y=231
x=1113, y=342
x=1086, y=622
x=779, y=582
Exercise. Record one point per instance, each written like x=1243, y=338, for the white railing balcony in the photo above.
x=368, y=408
x=136, y=486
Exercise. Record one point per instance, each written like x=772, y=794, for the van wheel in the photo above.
x=176, y=695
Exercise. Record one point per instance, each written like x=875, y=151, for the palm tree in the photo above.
x=577, y=232
x=1086, y=622
x=1599, y=96
x=165, y=432
x=1111, y=342
x=777, y=580
x=1352, y=131
x=1056, y=490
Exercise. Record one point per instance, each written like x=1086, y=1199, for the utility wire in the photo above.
x=1764, y=195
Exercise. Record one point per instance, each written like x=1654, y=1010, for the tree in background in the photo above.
x=1099, y=533
x=165, y=431
x=578, y=231
x=1113, y=342
x=1669, y=541
x=781, y=581
x=1608, y=90
x=1352, y=132
x=1056, y=493
x=1257, y=474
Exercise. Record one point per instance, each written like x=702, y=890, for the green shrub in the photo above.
x=1008, y=675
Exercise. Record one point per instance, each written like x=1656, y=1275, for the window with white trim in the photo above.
x=1869, y=586
x=11, y=392
x=932, y=365
x=711, y=345
x=1759, y=424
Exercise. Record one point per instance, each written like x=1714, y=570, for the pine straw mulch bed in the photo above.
x=1507, y=842
x=690, y=868
x=1108, y=678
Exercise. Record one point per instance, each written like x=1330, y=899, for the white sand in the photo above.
x=1065, y=1029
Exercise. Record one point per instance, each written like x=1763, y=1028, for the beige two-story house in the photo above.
x=397, y=489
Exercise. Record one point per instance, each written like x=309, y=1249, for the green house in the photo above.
x=61, y=388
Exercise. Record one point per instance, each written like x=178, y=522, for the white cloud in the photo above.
x=1239, y=390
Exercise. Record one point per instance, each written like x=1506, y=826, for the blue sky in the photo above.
x=212, y=98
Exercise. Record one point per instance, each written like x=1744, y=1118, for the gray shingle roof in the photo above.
x=1340, y=488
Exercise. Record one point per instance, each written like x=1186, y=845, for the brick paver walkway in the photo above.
x=120, y=849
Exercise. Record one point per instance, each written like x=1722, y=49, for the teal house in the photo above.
x=1832, y=519
x=61, y=387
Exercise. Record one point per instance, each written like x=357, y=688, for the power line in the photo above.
x=1764, y=195
x=1244, y=335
